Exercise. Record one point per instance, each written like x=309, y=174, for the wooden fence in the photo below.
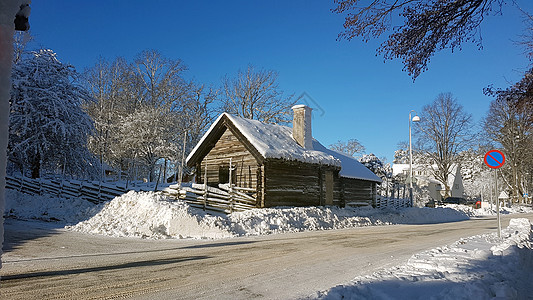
x=224, y=199
x=95, y=191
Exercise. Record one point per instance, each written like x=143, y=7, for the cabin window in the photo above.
x=223, y=174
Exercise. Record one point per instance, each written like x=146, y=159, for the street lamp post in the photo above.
x=416, y=118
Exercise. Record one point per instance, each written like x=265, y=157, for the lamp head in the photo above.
x=416, y=118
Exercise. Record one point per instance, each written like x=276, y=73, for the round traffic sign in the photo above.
x=494, y=159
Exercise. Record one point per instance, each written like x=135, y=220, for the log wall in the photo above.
x=289, y=183
x=356, y=190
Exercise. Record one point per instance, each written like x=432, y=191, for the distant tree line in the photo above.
x=142, y=111
x=138, y=118
x=129, y=119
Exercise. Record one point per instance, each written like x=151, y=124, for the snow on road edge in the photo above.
x=478, y=267
x=151, y=215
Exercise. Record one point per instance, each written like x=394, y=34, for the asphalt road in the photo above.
x=42, y=262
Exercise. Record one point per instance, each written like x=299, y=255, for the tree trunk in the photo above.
x=36, y=167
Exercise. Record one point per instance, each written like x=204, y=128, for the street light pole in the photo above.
x=416, y=118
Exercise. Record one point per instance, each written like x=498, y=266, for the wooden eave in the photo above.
x=297, y=162
x=214, y=135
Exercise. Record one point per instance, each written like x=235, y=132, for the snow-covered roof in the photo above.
x=350, y=167
x=276, y=141
x=399, y=168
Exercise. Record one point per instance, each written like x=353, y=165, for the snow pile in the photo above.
x=293, y=219
x=24, y=206
x=478, y=267
x=150, y=215
x=472, y=212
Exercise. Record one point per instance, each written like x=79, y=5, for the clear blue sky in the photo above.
x=359, y=94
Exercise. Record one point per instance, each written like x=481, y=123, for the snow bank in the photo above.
x=150, y=215
x=293, y=219
x=478, y=267
x=479, y=212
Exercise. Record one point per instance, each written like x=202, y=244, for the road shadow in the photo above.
x=28, y=217
x=17, y=232
x=135, y=264
x=160, y=250
x=223, y=244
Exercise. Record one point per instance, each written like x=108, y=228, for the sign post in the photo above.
x=495, y=159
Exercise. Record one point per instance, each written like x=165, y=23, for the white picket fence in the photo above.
x=386, y=202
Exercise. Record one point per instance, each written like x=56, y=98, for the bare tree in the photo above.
x=519, y=96
x=118, y=92
x=350, y=147
x=427, y=26
x=20, y=43
x=161, y=78
x=526, y=38
x=443, y=132
x=510, y=124
x=511, y=127
x=255, y=95
x=143, y=110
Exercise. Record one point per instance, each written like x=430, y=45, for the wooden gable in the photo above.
x=209, y=142
x=224, y=144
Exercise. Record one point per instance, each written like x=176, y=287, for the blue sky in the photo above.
x=360, y=96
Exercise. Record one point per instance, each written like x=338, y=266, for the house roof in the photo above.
x=276, y=141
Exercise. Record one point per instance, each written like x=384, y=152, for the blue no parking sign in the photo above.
x=494, y=159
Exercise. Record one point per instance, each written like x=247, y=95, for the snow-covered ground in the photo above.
x=151, y=215
x=478, y=267
x=24, y=206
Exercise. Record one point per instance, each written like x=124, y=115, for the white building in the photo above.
x=423, y=178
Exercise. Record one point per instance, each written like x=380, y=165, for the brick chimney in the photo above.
x=301, y=126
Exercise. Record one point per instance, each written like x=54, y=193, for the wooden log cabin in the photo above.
x=284, y=166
